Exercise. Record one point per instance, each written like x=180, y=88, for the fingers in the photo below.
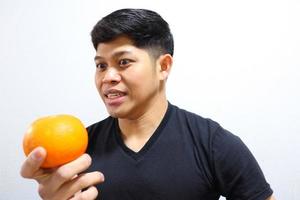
x=32, y=164
x=70, y=188
x=67, y=172
x=62, y=182
x=89, y=194
x=79, y=183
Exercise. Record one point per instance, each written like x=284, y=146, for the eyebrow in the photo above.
x=117, y=54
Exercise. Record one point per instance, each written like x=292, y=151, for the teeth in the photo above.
x=113, y=95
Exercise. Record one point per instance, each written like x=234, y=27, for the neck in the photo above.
x=144, y=126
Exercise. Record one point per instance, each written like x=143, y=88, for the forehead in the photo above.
x=121, y=46
x=121, y=43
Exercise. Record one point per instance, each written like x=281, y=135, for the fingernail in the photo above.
x=36, y=155
x=102, y=176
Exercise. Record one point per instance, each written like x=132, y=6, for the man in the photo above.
x=147, y=148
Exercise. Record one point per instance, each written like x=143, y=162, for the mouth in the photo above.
x=114, y=97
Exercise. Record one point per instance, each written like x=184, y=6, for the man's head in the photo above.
x=147, y=29
x=133, y=59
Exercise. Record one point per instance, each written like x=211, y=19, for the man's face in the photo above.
x=127, y=78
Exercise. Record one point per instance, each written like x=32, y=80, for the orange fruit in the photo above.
x=63, y=136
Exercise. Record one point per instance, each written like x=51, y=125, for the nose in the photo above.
x=111, y=76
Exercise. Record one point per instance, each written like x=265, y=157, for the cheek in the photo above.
x=98, y=81
x=144, y=81
x=143, y=73
x=136, y=80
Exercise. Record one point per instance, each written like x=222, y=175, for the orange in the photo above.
x=63, y=136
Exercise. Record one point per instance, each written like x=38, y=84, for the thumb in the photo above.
x=33, y=162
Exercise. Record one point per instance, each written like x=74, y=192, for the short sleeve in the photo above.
x=237, y=173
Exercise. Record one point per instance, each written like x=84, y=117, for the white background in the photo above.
x=236, y=62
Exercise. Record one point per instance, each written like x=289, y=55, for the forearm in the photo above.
x=271, y=198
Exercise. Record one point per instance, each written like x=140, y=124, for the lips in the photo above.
x=114, y=97
x=113, y=93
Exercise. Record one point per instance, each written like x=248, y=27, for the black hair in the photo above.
x=146, y=28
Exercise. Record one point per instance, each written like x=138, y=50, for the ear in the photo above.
x=165, y=64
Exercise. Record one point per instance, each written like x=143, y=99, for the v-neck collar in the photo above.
x=138, y=155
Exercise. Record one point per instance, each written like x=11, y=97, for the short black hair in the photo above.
x=146, y=28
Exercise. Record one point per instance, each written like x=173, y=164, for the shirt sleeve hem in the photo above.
x=263, y=195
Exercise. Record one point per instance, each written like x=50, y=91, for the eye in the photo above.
x=101, y=66
x=124, y=62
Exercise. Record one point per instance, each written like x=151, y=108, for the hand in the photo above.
x=64, y=182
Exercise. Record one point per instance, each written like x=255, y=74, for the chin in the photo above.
x=121, y=112
x=116, y=114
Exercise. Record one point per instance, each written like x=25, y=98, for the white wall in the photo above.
x=236, y=62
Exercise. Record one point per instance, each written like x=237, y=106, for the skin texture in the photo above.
x=62, y=182
x=124, y=67
x=141, y=79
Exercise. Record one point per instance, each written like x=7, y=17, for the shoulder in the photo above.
x=209, y=136
x=99, y=132
x=202, y=128
x=194, y=119
x=206, y=134
x=216, y=139
x=98, y=126
x=235, y=171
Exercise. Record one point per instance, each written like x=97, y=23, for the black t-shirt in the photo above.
x=187, y=158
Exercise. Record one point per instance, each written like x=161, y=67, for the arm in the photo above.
x=63, y=182
x=271, y=198
x=237, y=172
